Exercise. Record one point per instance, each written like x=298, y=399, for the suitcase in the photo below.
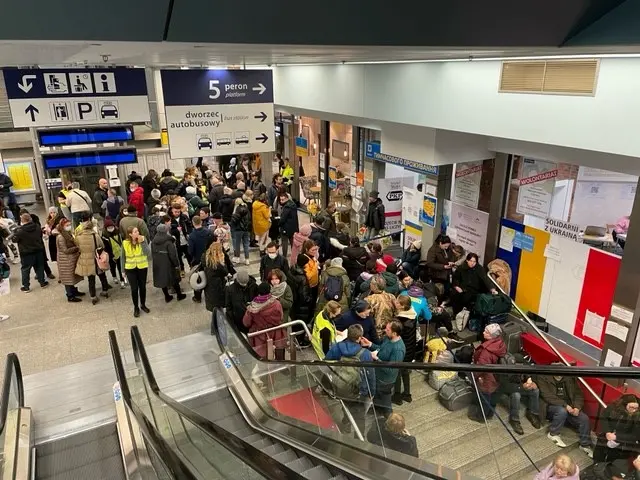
x=540, y=322
x=456, y=395
x=511, y=335
x=439, y=378
x=499, y=319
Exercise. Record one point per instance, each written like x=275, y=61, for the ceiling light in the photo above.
x=184, y=67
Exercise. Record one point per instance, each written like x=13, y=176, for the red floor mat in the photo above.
x=302, y=405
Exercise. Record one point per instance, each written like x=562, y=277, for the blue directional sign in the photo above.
x=371, y=148
x=218, y=112
x=373, y=151
x=60, y=97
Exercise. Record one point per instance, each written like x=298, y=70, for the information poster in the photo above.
x=390, y=191
x=537, y=180
x=21, y=173
x=411, y=207
x=333, y=178
x=466, y=189
x=428, y=211
x=467, y=227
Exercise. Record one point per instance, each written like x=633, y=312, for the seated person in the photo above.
x=517, y=387
x=360, y=314
x=469, y=280
x=405, y=281
x=561, y=402
x=390, y=278
x=616, y=470
x=394, y=435
x=562, y=467
x=411, y=258
x=368, y=274
x=438, y=344
x=619, y=430
x=622, y=227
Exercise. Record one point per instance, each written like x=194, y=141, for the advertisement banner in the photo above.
x=467, y=227
x=466, y=189
x=411, y=206
x=428, y=211
x=333, y=178
x=537, y=180
x=390, y=190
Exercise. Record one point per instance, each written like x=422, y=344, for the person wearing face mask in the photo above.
x=282, y=292
x=272, y=260
x=113, y=246
x=324, y=331
x=51, y=231
x=67, y=258
x=136, y=198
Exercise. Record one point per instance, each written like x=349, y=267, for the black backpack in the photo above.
x=333, y=288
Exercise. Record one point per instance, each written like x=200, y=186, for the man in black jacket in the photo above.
x=99, y=197
x=29, y=239
x=217, y=190
x=288, y=223
x=180, y=229
x=272, y=259
x=238, y=295
x=375, y=216
x=320, y=235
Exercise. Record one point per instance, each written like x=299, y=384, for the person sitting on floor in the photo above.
x=394, y=435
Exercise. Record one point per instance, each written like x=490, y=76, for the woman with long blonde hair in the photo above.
x=217, y=266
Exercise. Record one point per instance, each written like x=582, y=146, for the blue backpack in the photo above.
x=333, y=288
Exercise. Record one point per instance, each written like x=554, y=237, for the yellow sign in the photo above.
x=164, y=137
x=302, y=147
x=21, y=174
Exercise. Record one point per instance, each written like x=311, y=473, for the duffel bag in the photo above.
x=511, y=335
x=488, y=304
x=456, y=394
x=437, y=378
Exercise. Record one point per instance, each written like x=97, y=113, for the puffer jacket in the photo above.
x=303, y=299
x=489, y=352
x=354, y=260
x=167, y=184
x=334, y=271
x=409, y=321
x=261, y=217
x=165, y=261
x=68, y=254
x=264, y=312
x=501, y=271
x=437, y=258
x=87, y=241
x=298, y=239
x=225, y=207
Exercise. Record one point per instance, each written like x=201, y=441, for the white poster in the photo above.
x=466, y=189
x=411, y=204
x=390, y=190
x=467, y=227
x=537, y=180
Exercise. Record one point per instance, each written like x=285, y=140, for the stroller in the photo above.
x=7, y=229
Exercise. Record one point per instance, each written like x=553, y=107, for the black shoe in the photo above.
x=104, y=294
x=534, y=420
x=517, y=427
x=136, y=312
x=44, y=285
x=144, y=309
x=25, y=289
x=182, y=296
x=51, y=276
x=94, y=300
x=80, y=294
x=108, y=287
x=168, y=298
x=397, y=399
x=74, y=299
x=406, y=397
x=197, y=300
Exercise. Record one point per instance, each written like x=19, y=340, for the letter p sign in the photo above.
x=85, y=111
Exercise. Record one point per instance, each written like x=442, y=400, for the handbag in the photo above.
x=102, y=258
x=197, y=278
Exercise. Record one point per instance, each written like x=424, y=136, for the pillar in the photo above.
x=499, y=188
x=324, y=150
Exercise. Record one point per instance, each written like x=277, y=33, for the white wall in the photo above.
x=463, y=96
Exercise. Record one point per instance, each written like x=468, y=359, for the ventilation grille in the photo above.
x=565, y=77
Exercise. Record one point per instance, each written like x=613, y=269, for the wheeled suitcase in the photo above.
x=511, y=335
x=456, y=394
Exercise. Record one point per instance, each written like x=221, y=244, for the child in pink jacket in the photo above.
x=562, y=467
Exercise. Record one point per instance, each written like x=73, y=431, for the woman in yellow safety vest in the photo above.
x=287, y=172
x=324, y=329
x=135, y=253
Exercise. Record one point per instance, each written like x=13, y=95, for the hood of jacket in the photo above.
x=495, y=346
x=407, y=315
x=261, y=302
x=348, y=348
x=415, y=291
x=390, y=278
x=200, y=233
x=30, y=227
x=336, y=271
x=161, y=238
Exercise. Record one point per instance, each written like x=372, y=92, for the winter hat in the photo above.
x=336, y=262
x=306, y=229
x=108, y=223
x=232, y=162
x=191, y=190
x=155, y=193
x=374, y=194
x=383, y=263
x=361, y=306
x=162, y=228
x=415, y=291
x=242, y=277
x=494, y=330
x=264, y=288
x=417, y=244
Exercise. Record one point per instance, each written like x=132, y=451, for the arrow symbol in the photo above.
x=260, y=89
x=32, y=111
x=262, y=116
x=262, y=137
x=26, y=85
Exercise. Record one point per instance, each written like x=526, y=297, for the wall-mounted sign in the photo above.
x=466, y=226
x=302, y=147
x=333, y=178
x=56, y=97
x=428, y=210
x=372, y=150
x=537, y=180
x=22, y=175
x=218, y=112
x=563, y=229
x=467, y=184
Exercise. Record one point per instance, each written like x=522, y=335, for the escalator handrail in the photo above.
x=544, y=338
x=173, y=463
x=11, y=368
x=241, y=449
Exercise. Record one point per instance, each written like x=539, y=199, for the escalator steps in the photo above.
x=274, y=450
x=285, y=457
x=319, y=472
x=301, y=465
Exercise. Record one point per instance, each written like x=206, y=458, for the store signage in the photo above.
x=372, y=150
x=218, y=112
x=302, y=147
x=55, y=97
x=390, y=190
x=563, y=229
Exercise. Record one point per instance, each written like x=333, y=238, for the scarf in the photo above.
x=260, y=302
x=278, y=290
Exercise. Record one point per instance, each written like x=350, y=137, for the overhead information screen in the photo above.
x=83, y=136
x=91, y=158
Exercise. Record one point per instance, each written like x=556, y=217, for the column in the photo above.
x=442, y=183
x=324, y=149
x=499, y=188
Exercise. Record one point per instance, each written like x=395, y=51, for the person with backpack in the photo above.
x=619, y=435
x=356, y=386
x=469, y=281
x=272, y=260
x=406, y=315
x=489, y=352
x=334, y=285
x=360, y=314
x=112, y=205
x=194, y=201
x=324, y=331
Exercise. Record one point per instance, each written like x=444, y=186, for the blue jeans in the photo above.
x=532, y=402
x=558, y=416
x=237, y=237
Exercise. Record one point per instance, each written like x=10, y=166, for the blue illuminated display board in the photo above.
x=80, y=136
x=91, y=158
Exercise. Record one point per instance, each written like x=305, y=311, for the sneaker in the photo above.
x=4, y=317
x=236, y=260
x=533, y=419
x=94, y=300
x=406, y=397
x=25, y=289
x=557, y=440
x=126, y=282
x=587, y=450
x=15, y=261
x=51, y=276
x=144, y=309
x=74, y=300
x=246, y=262
x=44, y=285
x=182, y=296
x=136, y=312
x=397, y=399
x=517, y=426
x=123, y=285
